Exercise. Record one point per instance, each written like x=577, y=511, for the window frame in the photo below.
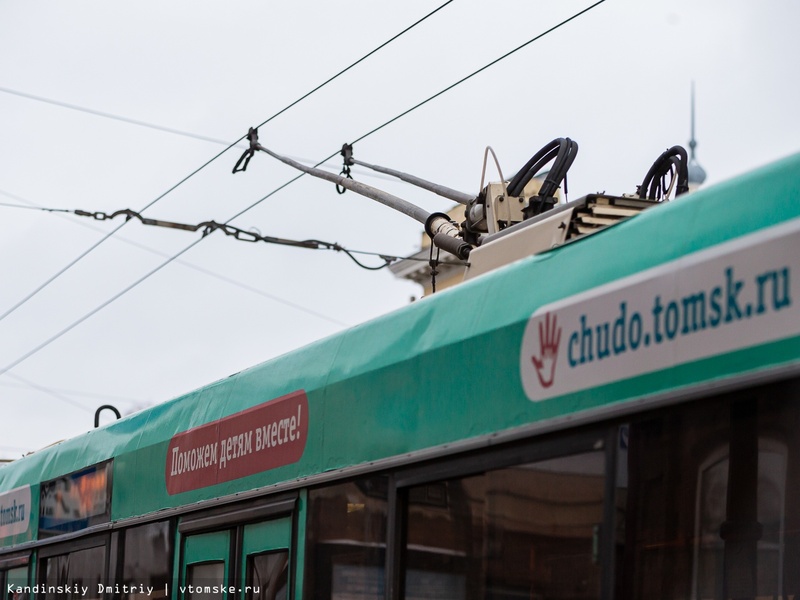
x=10, y=562
x=597, y=437
x=108, y=540
x=234, y=517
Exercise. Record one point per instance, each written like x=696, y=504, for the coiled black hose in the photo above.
x=672, y=161
x=563, y=150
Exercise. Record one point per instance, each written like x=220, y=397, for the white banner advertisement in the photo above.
x=728, y=297
x=15, y=511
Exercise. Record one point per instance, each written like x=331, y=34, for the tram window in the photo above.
x=204, y=580
x=75, y=501
x=346, y=543
x=267, y=576
x=75, y=571
x=529, y=531
x=146, y=560
x=708, y=499
x=13, y=580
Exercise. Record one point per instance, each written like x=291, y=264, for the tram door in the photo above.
x=243, y=562
x=206, y=566
x=265, y=560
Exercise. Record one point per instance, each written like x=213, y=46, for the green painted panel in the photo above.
x=443, y=369
x=268, y=536
x=204, y=547
x=17, y=577
x=206, y=555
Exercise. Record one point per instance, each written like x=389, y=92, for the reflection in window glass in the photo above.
x=15, y=578
x=75, y=571
x=75, y=501
x=346, y=545
x=267, y=575
x=707, y=500
x=528, y=531
x=146, y=561
x=712, y=488
x=205, y=581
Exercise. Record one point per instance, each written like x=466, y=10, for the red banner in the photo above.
x=258, y=439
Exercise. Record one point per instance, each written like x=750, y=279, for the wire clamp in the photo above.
x=252, y=137
x=347, y=155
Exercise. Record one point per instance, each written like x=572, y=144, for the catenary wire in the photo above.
x=60, y=394
x=211, y=160
x=115, y=297
x=420, y=104
x=33, y=206
x=50, y=392
x=471, y=75
x=100, y=113
x=118, y=295
x=107, y=115
x=70, y=392
x=208, y=227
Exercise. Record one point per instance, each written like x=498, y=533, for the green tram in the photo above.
x=614, y=418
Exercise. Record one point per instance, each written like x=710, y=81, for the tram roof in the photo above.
x=440, y=370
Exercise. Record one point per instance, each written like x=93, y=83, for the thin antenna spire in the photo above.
x=697, y=174
x=693, y=141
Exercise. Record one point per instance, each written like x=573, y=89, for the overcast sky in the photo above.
x=617, y=80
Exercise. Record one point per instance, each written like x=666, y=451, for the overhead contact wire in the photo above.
x=99, y=113
x=360, y=60
x=281, y=187
x=205, y=164
x=471, y=75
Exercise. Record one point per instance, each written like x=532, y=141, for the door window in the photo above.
x=268, y=575
x=529, y=531
x=14, y=582
x=240, y=562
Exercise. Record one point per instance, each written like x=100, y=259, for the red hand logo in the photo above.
x=549, y=339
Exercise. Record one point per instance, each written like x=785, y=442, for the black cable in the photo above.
x=97, y=309
x=566, y=155
x=115, y=297
x=561, y=165
x=462, y=80
x=674, y=162
x=208, y=162
x=418, y=105
x=563, y=150
x=99, y=113
x=94, y=246
x=343, y=71
x=543, y=156
x=61, y=272
x=275, y=191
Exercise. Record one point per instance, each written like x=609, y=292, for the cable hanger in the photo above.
x=444, y=233
x=347, y=162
